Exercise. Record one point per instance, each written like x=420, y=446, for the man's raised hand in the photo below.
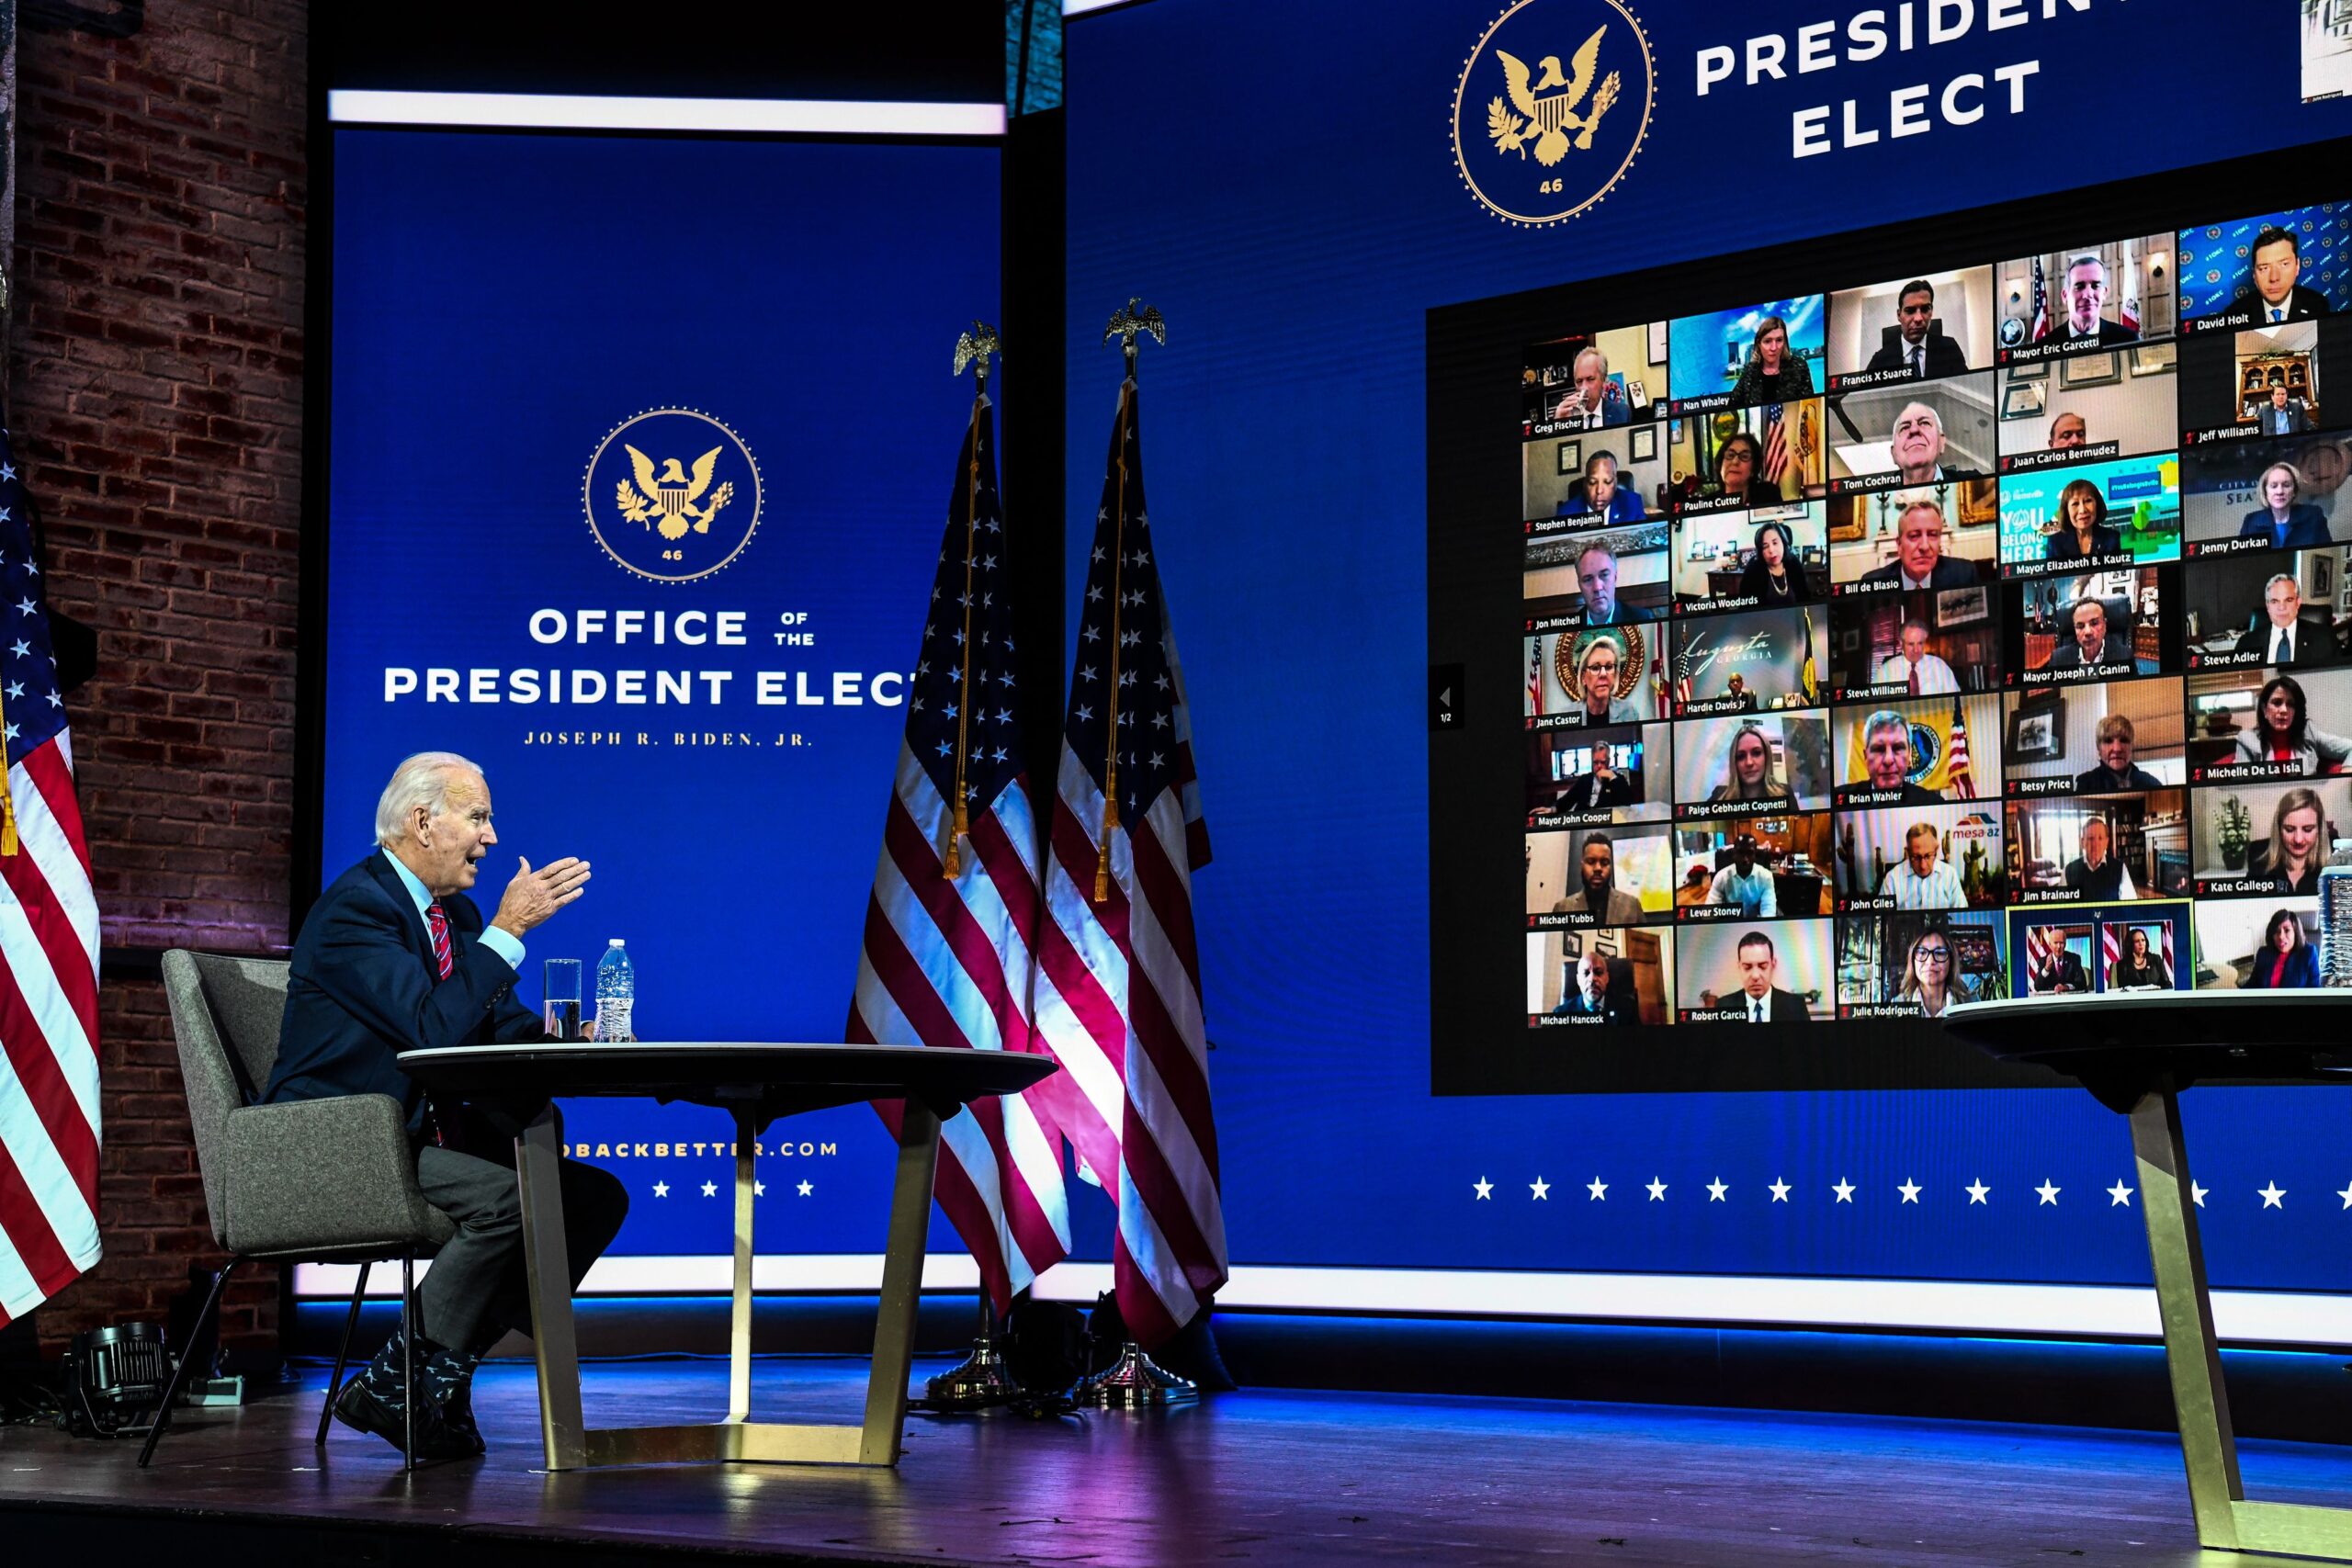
x=532, y=896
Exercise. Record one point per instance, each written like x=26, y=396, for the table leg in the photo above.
x=894, y=1330
x=738, y=1337
x=547, y=1264
x=2225, y=1518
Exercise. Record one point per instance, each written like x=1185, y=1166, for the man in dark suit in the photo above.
x=394, y=957
x=1602, y=991
x=2282, y=418
x=2085, y=298
x=1919, y=560
x=2284, y=638
x=1917, y=345
x=2096, y=643
x=1762, y=1001
x=2274, y=264
x=1606, y=784
x=2065, y=974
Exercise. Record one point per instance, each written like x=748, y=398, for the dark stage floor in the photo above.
x=1265, y=1477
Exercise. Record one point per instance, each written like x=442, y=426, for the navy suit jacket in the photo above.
x=364, y=988
x=2303, y=968
x=2306, y=526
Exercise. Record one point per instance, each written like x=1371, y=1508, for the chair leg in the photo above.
x=343, y=1354
x=407, y=1361
x=163, y=1417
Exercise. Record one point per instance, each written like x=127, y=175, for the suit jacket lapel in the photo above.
x=420, y=938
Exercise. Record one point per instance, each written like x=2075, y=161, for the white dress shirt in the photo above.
x=1939, y=889
x=1935, y=676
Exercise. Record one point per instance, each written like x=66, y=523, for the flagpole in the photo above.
x=1126, y=325
x=973, y=345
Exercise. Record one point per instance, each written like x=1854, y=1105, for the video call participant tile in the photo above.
x=2265, y=381
x=1915, y=645
x=2268, y=841
x=1599, y=876
x=2087, y=297
x=2091, y=949
x=1576, y=574
x=1911, y=328
x=2262, y=724
x=2258, y=944
x=1752, y=868
x=2125, y=513
x=1907, y=436
x=2099, y=738
x=1753, y=661
x=1595, y=381
x=1755, y=972
x=1769, y=353
x=1612, y=774
x=1599, y=675
x=2275, y=267
x=2088, y=408
x=2093, y=626
x=1929, y=539
x=1760, y=454
x=1606, y=977
x=2263, y=495
x=2098, y=848
x=1754, y=559
x=1596, y=477
x=1920, y=964
x=2244, y=611
x=1921, y=857
x=1743, y=765
x=1922, y=751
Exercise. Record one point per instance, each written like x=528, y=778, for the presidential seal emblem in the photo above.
x=673, y=494
x=1538, y=142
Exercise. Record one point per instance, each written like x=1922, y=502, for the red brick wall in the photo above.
x=156, y=370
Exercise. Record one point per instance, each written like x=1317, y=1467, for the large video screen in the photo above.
x=1963, y=634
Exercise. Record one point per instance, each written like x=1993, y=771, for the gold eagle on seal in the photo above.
x=1547, y=118
x=669, y=497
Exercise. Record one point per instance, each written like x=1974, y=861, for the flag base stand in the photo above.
x=1135, y=1382
x=981, y=1383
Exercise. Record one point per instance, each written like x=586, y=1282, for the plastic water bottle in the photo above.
x=616, y=993
x=2336, y=917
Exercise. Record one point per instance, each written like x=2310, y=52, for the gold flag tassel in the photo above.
x=8, y=803
x=976, y=345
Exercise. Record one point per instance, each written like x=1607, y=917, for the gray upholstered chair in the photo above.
x=308, y=1181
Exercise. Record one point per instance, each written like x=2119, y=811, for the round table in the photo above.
x=758, y=1083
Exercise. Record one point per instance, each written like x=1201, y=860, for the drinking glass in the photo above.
x=562, y=994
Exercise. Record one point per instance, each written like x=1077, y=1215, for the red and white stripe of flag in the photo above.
x=48, y=1032
x=1956, y=766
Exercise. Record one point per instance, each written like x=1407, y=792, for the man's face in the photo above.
x=2284, y=603
x=1917, y=309
x=2086, y=295
x=1597, y=575
x=2090, y=625
x=451, y=843
x=1888, y=756
x=1921, y=542
x=1919, y=439
x=1601, y=759
x=1591, y=372
x=1599, y=484
x=2115, y=750
x=2068, y=432
x=2094, y=844
x=1600, y=862
x=1915, y=643
x=1591, y=974
x=2276, y=267
x=1743, y=855
x=1756, y=966
x=1600, y=677
x=2277, y=397
x=1919, y=849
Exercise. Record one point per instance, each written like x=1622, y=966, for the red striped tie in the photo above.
x=438, y=923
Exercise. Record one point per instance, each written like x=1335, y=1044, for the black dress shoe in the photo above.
x=357, y=1408
x=458, y=1420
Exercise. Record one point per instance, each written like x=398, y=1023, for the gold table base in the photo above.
x=2225, y=1520
x=572, y=1445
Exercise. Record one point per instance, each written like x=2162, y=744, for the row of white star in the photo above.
x=2273, y=1196
x=759, y=1188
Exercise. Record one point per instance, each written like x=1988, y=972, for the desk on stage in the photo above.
x=758, y=1084
x=2136, y=1053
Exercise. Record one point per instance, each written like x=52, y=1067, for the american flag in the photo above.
x=1956, y=771
x=952, y=924
x=2041, y=303
x=49, y=946
x=1776, y=444
x=1535, y=676
x=2040, y=957
x=1118, y=993
x=1682, y=675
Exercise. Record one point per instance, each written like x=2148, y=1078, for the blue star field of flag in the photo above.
x=961, y=699
x=34, y=710
x=1122, y=662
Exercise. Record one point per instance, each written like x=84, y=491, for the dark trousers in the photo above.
x=476, y=1290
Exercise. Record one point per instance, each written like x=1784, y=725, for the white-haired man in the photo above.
x=394, y=957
